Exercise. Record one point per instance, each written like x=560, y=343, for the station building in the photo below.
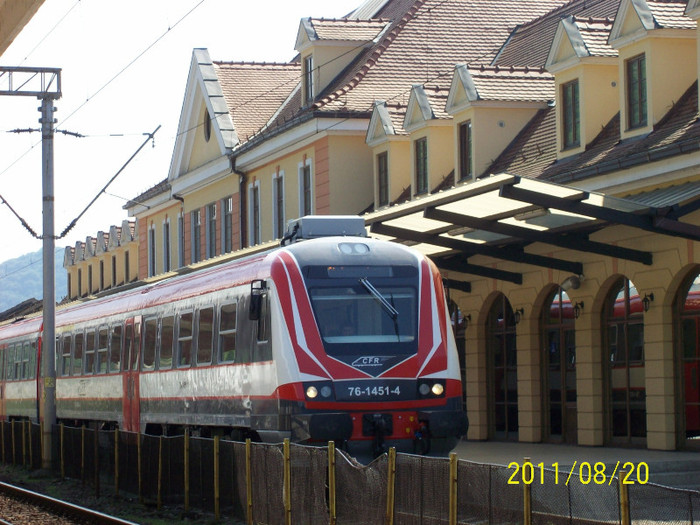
x=545, y=154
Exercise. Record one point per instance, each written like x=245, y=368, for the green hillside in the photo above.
x=21, y=279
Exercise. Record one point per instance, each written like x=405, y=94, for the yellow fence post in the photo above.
x=187, y=470
x=82, y=454
x=116, y=462
x=160, y=473
x=63, y=454
x=248, y=483
x=14, y=452
x=29, y=444
x=24, y=444
x=527, y=493
x=138, y=465
x=97, y=462
x=217, y=494
x=391, y=478
x=453, y=489
x=287, y=484
x=331, y=482
x=41, y=440
x=624, y=500
x=2, y=426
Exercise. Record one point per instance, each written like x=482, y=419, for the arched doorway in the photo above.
x=689, y=364
x=559, y=362
x=623, y=364
x=503, y=370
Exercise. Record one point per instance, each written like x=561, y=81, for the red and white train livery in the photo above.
x=333, y=336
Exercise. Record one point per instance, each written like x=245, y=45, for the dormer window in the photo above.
x=309, y=79
x=571, y=122
x=421, y=158
x=383, y=178
x=636, y=92
x=465, y=150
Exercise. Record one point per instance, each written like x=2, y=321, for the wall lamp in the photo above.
x=648, y=299
x=519, y=314
x=577, y=309
x=573, y=282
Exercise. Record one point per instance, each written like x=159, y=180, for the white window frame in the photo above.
x=254, y=189
x=151, y=250
x=226, y=223
x=211, y=243
x=166, y=246
x=181, y=239
x=300, y=175
x=275, y=211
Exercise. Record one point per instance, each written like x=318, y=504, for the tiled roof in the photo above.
x=425, y=45
x=533, y=152
x=670, y=14
x=426, y=39
x=530, y=43
x=255, y=91
x=513, y=84
x=162, y=187
x=347, y=29
x=595, y=33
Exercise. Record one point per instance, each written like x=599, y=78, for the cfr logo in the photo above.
x=367, y=361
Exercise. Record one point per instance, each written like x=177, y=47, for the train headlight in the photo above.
x=326, y=391
x=353, y=248
x=431, y=388
x=311, y=392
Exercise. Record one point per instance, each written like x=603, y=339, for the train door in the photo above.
x=130, y=372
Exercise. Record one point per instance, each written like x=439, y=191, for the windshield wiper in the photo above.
x=393, y=312
x=386, y=305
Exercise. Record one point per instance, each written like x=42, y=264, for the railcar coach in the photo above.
x=331, y=336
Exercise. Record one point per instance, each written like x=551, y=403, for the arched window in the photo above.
x=503, y=370
x=559, y=361
x=689, y=356
x=623, y=359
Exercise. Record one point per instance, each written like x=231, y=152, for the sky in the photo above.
x=124, y=69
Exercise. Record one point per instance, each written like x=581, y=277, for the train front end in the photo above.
x=372, y=361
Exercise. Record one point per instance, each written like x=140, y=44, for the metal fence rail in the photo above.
x=282, y=484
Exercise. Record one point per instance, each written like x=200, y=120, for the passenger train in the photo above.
x=331, y=336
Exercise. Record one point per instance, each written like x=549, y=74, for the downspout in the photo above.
x=243, y=202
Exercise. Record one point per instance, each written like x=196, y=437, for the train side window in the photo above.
x=77, y=367
x=90, y=351
x=10, y=362
x=184, y=339
x=150, y=335
x=167, y=329
x=65, y=354
x=227, y=333
x=32, y=359
x=2, y=362
x=102, y=350
x=205, y=332
x=26, y=360
x=115, y=348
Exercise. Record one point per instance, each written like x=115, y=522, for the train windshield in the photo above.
x=357, y=313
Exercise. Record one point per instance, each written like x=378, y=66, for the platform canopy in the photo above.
x=499, y=216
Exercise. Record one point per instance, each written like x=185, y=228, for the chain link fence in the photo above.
x=280, y=484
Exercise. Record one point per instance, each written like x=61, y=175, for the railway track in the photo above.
x=19, y=506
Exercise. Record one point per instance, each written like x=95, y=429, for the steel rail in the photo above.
x=66, y=509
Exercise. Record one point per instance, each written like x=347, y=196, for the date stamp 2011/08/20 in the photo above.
x=584, y=473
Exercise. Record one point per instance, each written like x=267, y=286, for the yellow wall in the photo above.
x=351, y=181
x=598, y=101
x=329, y=61
x=399, y=162
x=670, y=70
x=202, y=150
x=440, y=152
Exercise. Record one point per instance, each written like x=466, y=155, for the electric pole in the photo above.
x=45, y=84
